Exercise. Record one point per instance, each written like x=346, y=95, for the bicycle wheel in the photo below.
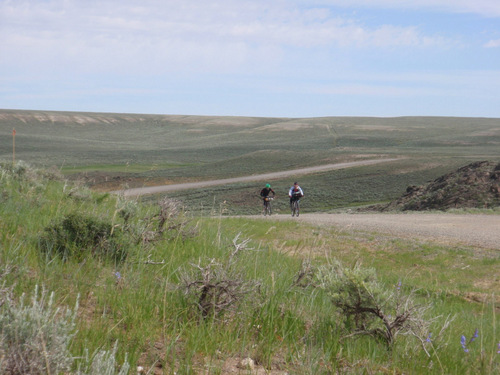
x=269, y=209
x=296, y=208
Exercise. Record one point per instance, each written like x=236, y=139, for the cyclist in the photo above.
x=264, y=193
x=295, y=193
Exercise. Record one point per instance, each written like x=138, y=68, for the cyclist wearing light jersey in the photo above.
x=295, y=193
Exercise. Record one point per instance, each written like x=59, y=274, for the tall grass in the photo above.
x=139, y=303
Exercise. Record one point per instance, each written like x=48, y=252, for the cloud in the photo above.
x=411, y=84
x=132, y=54
x=492, y=43
x=486, y=8
x=162, y=36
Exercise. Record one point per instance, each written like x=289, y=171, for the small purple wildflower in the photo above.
x=475, y=336
x=118, y=275
x=398, y=286
x=428, y=339
x=498, y=351
x=464, y=342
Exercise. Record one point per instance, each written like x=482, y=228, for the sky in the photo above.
x=265, y=58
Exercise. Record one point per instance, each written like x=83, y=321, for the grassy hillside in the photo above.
x=83, y=139
x=110, y=151
x=186, y=295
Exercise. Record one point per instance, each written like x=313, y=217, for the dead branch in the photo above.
x=239, y=246
x=215, y=288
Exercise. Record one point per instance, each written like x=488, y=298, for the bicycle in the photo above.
x=295, y=206
x=268, y=209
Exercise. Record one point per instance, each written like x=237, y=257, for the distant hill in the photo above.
x=110, y=151
x=476, y=185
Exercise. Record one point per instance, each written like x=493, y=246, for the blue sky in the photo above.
x=283, y=58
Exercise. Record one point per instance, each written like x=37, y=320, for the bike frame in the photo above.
x=295, y=206
x=267, y=206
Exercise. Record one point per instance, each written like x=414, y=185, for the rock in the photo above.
x=247, y=364
x=473, y=186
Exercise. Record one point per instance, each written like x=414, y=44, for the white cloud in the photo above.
x=163, y=35
x=416, y=84
x=155, y=50
x=486, y=8
x=492, y=43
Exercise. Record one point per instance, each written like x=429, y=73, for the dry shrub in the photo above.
x=368, y=306
x=217, y=287
x=170, y=222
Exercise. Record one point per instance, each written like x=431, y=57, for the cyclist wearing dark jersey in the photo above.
x=267, y=191
x=264, y=193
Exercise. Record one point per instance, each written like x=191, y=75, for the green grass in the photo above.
x=280, y=326
x=128, y=168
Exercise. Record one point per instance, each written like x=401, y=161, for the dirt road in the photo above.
x=258, y=177
x=473, y=230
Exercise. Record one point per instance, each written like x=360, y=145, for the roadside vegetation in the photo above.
x=91, y=283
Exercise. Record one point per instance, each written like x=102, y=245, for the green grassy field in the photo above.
x=110, y=151
x=149, y=300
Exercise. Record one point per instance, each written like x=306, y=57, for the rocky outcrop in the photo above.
x=476, y=185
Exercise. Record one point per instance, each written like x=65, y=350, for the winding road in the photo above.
x=258, y=177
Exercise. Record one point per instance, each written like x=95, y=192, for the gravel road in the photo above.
x=258, y=177
x=473, y=230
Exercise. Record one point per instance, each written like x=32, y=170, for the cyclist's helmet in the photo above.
x=268, y=185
